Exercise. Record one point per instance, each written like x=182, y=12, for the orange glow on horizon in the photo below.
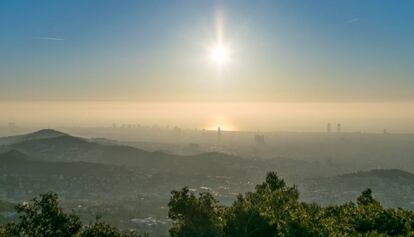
x=225, y=124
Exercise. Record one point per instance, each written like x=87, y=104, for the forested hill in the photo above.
x=395, y=188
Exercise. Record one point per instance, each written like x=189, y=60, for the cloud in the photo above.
x=352, y=20
x=48, y=38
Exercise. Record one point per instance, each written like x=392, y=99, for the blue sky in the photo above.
x=325, y=51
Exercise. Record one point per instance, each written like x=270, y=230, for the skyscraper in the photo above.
x=328, y=127
x=218, y=135
x=259, y=140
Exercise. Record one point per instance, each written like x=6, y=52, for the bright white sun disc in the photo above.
x=220, y=55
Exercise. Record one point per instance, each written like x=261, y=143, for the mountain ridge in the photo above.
x=40, y=134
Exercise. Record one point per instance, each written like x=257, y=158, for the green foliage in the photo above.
x=43, y=217
x=195, y=216
x=366, y=198
x=101, y=229
x=244, y=219
x=274, y=210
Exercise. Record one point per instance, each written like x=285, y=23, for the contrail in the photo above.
x=49, y=38
x=355, y=19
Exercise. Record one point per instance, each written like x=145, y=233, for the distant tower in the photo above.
x=338, y=128
x=328, y=128
x=218, y=135
x=176, y=130
x=259, y=140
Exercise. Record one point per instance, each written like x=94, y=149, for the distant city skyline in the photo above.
x=206, y=118
x=296, y=117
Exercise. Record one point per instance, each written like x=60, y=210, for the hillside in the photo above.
x=130, y=184
x=67, y=148
x=41, y=134
x=394, y=188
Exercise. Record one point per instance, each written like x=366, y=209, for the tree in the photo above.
x=274, y=210
x=278, y=203
x=42, y=217
x=243, y=219
x=101, y=229
x=366, y=198
x=195, y=217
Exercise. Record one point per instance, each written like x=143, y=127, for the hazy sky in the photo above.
x=156, y=50
x=159, y=51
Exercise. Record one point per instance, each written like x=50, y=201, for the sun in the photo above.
x=224, y=122
x=220, y=55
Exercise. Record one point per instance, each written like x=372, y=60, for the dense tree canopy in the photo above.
x=43, y=217
x=274, y=210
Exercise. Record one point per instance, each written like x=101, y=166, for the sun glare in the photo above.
x=220, y=55
x=225, y=124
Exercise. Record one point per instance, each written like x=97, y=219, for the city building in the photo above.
x=259, y=140
x=328, y=127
